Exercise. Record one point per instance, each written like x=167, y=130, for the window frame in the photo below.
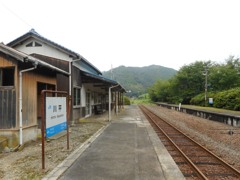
x=34, y=44
x=37, y=44
x=3, y=74
x=76, y=96
x=30, y=44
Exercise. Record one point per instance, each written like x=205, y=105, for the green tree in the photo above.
x=189, y=81
x=188, y=85
x=159, y=91
x=225, y=76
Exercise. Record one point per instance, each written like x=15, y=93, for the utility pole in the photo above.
x=112, y=71
x=205, y=73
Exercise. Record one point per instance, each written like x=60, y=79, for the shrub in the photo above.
x=126, y=100
x=228, y=99
x=199, y=100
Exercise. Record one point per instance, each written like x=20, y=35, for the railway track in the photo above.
x=195, y=161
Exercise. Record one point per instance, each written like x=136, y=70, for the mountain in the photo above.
x=138, y=79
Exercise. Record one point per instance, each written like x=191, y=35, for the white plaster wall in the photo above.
x=30, y=134
x=44, y=50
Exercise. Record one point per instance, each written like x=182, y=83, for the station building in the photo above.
x=46, y=65
x=22, y=77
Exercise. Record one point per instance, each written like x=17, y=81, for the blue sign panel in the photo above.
x=56, y=115
x=56, y=129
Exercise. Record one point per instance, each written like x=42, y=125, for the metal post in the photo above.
x=109, y=103
x=116, y=94
x=206, y=84
x=68, y=119
x=43, y=129
x=43, y=93
x=71, y=85
x=122, y=100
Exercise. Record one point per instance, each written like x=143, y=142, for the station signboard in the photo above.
x=56, y=115
x=210, y=101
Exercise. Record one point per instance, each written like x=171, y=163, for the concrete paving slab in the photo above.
x=121, y=152
x=127, y=149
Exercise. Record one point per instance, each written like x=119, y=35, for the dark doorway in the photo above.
x=42, y=86
x=7, y=76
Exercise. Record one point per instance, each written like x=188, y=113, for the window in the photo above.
x=76, y=96
x=29, y=44
x=37, y=44
x=7, y=76
x=99, y=98
x=95, y=98
x=33, y=44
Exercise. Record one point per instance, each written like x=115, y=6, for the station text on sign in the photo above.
x=56, y=115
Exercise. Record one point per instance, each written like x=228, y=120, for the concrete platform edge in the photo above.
x=169, y=167
x=63, y=166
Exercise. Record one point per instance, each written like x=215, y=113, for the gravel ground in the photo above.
x=27, y=163
x=213, y=135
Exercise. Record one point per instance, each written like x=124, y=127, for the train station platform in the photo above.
x=127, y=148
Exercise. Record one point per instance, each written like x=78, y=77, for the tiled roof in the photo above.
x=33, y=33
x=23, y=57
x=59, y=63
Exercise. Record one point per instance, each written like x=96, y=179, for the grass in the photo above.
x=140, y=101
x=143, y=99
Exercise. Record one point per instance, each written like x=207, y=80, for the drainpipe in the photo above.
x=70, y=84
x=70, y=78
x=70, y=74
x=109, y=103
x=20, y=101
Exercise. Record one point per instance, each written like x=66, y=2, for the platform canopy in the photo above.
x=101, y=81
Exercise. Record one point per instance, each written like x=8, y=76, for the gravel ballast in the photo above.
x=26, y=164
x=213, y=135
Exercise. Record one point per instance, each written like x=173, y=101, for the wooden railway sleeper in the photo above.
x=199, y=173
x=236, y=172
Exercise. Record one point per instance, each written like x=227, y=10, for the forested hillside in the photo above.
x=138, y=79
x=197, y=82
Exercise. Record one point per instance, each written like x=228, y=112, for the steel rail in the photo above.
x=224, y=163
x=200, y=174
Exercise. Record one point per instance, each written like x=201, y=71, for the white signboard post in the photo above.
x=56, y=115
x=55, y=112
x=210, y=100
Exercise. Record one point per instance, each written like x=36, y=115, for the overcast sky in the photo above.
x=170, y=33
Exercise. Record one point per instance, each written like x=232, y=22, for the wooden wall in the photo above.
x=8, y=106
x=31, y=100
x=9, y=116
